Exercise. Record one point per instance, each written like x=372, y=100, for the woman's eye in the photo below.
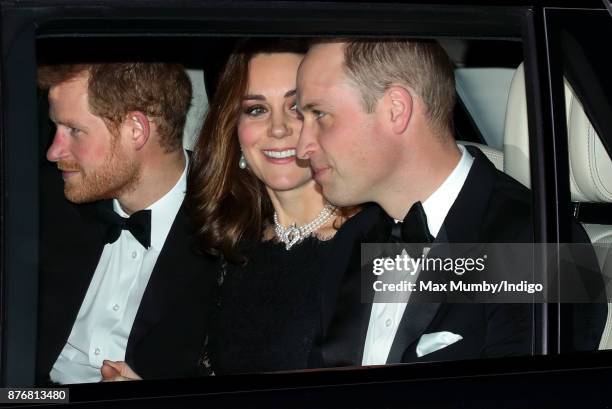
x=255, y=110
x=293, y=107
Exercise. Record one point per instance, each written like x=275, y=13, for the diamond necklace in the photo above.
x=294, y=234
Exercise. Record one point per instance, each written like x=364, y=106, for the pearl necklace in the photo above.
x=294, y=234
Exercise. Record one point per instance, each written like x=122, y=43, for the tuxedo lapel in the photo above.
x=415, y=321
x=467, y=212
x=460, y=226
x=175, y=267
x=418, y=314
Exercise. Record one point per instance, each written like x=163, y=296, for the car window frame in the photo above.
x=240, y=18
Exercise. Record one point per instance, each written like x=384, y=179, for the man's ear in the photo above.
x=399, y=105
x=139, y=128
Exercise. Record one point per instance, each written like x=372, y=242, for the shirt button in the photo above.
x=97, y=351
x=134, y=254
x=116, y=307
x=388, y=322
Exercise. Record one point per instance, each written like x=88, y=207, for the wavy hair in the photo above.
x=227, y=204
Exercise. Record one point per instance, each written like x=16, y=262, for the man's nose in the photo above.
x=57, y=150
x=307, y=143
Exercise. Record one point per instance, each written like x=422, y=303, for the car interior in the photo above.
x=491, y=113
x=495, y=80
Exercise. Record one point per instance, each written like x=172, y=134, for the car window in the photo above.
x=494, y=90
x=588, y=104
x=483, y=77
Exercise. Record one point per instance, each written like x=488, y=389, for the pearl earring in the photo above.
x=242, y=163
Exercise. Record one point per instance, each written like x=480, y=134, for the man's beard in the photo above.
x=117, y=175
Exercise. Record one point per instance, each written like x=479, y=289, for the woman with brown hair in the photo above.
x=244, y=167
x=258, y=208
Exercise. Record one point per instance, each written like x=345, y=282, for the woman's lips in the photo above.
x=280, y=156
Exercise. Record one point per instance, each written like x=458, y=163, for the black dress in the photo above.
x=269, y=309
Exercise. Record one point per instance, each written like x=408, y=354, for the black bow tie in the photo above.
x=139, y=224
x=414, y=228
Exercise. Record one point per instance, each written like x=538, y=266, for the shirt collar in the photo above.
x=164, y=210
x=438, y=204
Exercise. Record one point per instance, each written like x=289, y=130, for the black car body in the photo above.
x=531, y=32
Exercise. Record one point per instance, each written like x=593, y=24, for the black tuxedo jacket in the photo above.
x=490, y=208
x=172, y=321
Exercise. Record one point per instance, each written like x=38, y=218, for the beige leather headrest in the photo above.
x=590, y=165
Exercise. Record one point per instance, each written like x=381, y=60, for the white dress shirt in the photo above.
x=385, y=317
x=106, y=316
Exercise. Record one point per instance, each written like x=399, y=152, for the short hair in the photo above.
x=373, y=65
x=161, y=91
